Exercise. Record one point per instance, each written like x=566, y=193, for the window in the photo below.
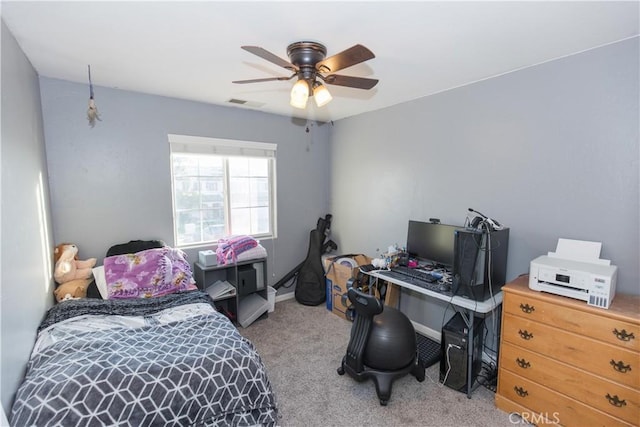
x=221, y=187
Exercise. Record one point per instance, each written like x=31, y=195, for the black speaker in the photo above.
x=403, y=259
x=454, y=348
x=479, y=262
x=467, y=244
x=247, y=280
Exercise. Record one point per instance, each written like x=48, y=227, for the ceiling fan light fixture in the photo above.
x=321, y=94
x=308, y=62
x=299, y=94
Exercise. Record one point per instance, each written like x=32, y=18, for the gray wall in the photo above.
x=551, y=151
x=25, y=266
x=112, y=183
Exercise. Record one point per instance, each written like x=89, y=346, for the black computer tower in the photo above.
x=454, y=345
x=479, y=262
x=247, y=280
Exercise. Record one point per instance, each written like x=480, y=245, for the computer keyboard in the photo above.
x=418, y=274
x=414, y=277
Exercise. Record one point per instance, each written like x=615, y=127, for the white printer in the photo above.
x=575, y=270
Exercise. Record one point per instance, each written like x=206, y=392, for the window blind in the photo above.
x=224, y=147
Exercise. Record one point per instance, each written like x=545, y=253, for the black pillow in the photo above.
x=134, y=246
x=92, y=290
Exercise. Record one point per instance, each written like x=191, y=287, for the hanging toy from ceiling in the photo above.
x=92, y=111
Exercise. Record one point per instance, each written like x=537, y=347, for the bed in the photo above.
x=166, y=360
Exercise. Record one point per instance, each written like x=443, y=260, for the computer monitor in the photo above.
x=433, y=242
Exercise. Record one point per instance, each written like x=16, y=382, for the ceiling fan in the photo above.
x=308, y=63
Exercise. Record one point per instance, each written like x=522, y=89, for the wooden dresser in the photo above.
x=565, y=362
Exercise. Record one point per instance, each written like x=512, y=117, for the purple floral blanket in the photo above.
x=147, y=274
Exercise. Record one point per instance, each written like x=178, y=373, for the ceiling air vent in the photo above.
x=245, y=102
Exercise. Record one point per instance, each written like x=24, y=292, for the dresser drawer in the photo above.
x=614, y=399
x=543, y=402
x=612, y=362
x=590, y=321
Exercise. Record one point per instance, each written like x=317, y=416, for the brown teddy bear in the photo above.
x=68, y=267
x=72, y=275
x=73, y=289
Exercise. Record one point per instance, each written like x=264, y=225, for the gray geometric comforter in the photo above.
x=166, y=361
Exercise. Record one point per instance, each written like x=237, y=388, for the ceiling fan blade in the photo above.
x=350, y=81
x=352, y=56
x=267, y=79
x=265, y=54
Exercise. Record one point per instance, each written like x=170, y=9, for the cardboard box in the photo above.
x=338, y=270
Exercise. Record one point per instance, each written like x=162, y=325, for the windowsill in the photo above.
x=213, y=245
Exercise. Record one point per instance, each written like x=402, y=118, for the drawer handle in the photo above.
x=620, y=366
x=523, y=363
x=520, y=391
x=527, y=308
x=525, y=335
x=623, y=335
x=615, y=401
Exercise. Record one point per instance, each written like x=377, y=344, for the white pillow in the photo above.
x=101, y=281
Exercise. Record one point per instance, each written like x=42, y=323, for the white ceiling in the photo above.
x=191, y=50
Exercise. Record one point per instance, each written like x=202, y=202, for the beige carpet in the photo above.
x=303, y=346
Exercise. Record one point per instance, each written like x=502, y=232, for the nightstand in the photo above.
x=249, y=278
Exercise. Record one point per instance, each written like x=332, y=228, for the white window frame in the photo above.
x=186, y=144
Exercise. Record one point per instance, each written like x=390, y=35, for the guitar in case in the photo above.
x=310, y=286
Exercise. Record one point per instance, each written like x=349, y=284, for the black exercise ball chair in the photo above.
x=382, y=345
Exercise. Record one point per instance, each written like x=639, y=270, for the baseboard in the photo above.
x=284, y=297
x=427, y=332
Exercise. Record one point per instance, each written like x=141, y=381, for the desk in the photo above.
x=470, y=307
